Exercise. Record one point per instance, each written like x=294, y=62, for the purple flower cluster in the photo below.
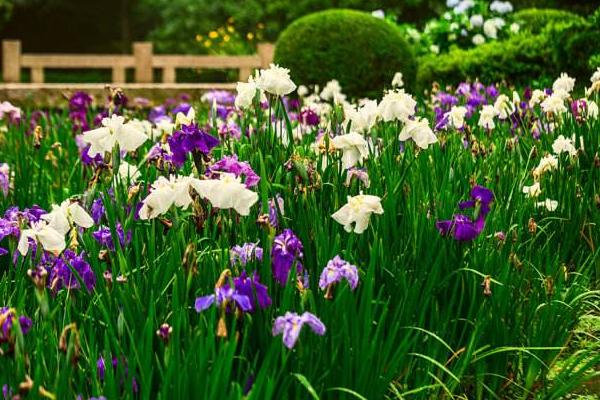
x=286, y=251
x=309, y=117
x=171, y=106
x=245, y=253
x=252, y=288
x=98, y=211
x=472, y=95
x=246, y=294
x=64, y=272
x=229, y=129
x=104, y=236
x=231, y=165
x=190, y=138
x=290, y=325
x=462, y=227
x=79, y=104
x=10, y=222
x=223, y=100
x=7, y=319
x=336, y=270
x=224, y=296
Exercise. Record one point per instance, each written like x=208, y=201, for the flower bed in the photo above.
x=287, y=242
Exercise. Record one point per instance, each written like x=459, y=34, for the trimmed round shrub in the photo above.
x=534, y=20
x=362, y=52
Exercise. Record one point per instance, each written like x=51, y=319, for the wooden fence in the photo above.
x=143, y=61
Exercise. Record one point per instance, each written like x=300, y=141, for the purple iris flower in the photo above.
x=253, y=289
x=190, y=138
x=4, y=179
x=8, y=317
x=98, y=211
x=224, y=296
x=274, y=209
x=578, y=107
x=479, y=196
x=60, y=271
x=462, y=227
x=157, y=113
x=182, y=108
x=104, y=236
x=83, y=152
x=164, y=332
x=231, y=165
x=80, y=101
x=463, y=89
x=309, y=117
x=492, y=91
x=224, y=97
x=223, y=111
x=245, y=253
x=336, y=270
x=291, y=324
x=447, y=100
x=287, y=250
x=230, y=129
x=34, y=213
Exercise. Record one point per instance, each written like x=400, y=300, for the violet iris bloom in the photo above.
x=231, y=165
x=8, y=317
x=336, y=270
x=274, y=208
x=104, y=236
x=462, y=227
x=253, y=289
x=287, y=250
x=245, y=253
x=224, y=296
x=309, y=117
x=291, y=324
x=188, y=139
x=157, y=114
x=60, y=271
x=182, y=108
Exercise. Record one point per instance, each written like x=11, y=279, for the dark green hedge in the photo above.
x=360, y=51
x=534, y=20
x=564, y=45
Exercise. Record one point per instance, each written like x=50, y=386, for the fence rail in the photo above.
x=143, y=61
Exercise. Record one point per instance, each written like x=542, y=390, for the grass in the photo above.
x=417, y=327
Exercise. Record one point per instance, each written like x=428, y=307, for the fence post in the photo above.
x=169, y=75
x=266, y=52
x=118, y=74
x=244, y=74
x=142, y=52
x=11, y=61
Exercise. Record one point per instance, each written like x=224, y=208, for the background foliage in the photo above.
x=64, y=25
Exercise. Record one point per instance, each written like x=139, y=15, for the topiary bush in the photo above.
x=362, y=52
x=534, y=20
